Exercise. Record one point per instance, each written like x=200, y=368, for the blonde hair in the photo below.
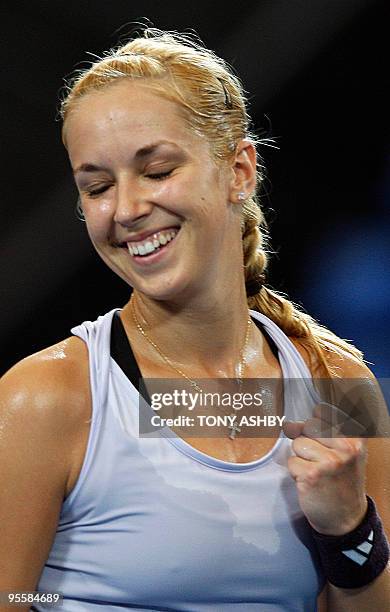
x=212, y=99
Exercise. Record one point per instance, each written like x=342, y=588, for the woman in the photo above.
x=157, y=136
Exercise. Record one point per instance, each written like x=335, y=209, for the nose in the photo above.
x=132, y=204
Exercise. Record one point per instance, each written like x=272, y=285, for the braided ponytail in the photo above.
x=294, y=322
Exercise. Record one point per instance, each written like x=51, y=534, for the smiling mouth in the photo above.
x=152, y=244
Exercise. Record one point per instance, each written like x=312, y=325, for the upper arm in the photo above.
x=37, y=429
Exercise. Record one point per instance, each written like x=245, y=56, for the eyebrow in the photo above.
x=141, y=154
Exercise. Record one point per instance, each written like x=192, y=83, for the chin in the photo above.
x=163, y=289
x=174, y=285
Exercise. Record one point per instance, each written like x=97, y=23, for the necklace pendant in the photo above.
x=234, y=430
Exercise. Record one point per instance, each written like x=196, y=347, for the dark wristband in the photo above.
x=356, y=558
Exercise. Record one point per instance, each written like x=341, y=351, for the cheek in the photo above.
x=176, y=197
x=98, y=216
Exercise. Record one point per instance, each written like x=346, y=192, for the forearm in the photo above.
x=373, y=596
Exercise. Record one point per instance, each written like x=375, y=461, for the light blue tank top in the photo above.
x=153, y=524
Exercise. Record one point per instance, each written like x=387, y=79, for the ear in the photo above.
x=243, y=169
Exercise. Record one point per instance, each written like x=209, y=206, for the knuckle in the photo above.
x=293, y=467
x=354, y=449
x=333, y=463
x=360, y=447
x=312, y=476
x=294, y=446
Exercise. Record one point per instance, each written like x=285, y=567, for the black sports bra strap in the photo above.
x=271, y=341
x=122, y=353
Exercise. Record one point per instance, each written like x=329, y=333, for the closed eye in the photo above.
x=158, y=176
x=97, y=191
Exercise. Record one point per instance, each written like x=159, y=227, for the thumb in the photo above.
x=293, y=429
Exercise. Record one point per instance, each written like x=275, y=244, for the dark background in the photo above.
x=316, y=73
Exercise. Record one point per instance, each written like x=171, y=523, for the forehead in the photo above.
x=126, y=110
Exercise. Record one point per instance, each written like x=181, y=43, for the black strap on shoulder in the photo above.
x=122, y=352
x=271, y=341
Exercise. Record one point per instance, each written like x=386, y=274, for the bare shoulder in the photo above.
x=344, y=364
x=44, y=413
x=51, y=384
x=353, y=384
x=69, y=353
x=45, y=402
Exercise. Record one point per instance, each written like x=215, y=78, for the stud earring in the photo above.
x=241, y=196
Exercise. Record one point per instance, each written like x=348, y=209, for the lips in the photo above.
x=152, y=243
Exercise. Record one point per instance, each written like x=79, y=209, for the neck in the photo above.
x=212, y=333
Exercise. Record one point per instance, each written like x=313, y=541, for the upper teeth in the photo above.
x=151, y=243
